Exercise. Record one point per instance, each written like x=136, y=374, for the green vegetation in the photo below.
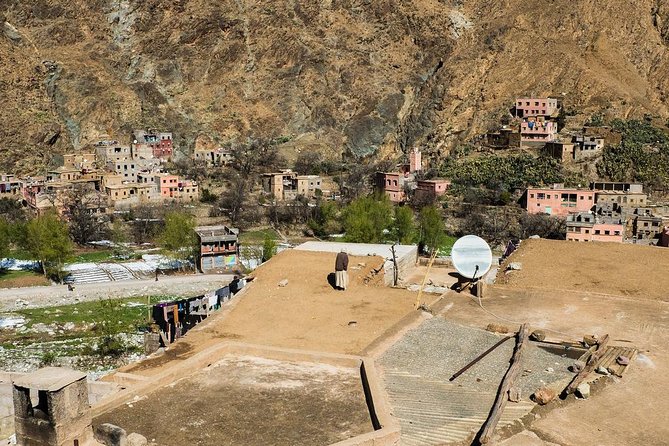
x=178, y=237
x=366, y=219
x=47, y=240
x=268, y=248
x=503, y=172
x=258, y=236
x=102, y=255
x=643, y=155
x=325, y=220
x=403, y=227
x=4, y=237
x=432, y=231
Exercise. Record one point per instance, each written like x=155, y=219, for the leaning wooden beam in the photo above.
x=507, y=383
x=589, y=367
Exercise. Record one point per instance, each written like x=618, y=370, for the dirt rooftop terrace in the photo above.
x=307, y=314
x=607, y=268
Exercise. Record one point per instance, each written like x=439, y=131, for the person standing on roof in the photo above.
x=341, y=270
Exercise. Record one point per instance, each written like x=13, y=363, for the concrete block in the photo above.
x=583, y=390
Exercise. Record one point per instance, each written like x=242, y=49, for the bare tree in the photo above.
x=84, y=208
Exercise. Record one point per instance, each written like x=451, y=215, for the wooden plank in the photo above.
x=589, y=367
x=479, y=357
x=507, y=384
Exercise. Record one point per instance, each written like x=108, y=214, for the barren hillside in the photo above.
x=363, y=77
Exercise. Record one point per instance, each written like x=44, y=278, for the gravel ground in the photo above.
x=438, y=348
x=48, y=296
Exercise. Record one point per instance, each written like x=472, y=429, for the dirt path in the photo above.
x=46, y=296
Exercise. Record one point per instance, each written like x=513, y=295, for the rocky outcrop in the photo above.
x=362, y=77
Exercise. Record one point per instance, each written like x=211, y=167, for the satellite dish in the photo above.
x=471, y=256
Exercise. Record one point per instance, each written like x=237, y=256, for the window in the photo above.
x=616, y=232
x=536, y=103
x=394, y=182
x=582, y=197
x=607, y=232
x=541, y=196
x=587, y=231
x=597, y=232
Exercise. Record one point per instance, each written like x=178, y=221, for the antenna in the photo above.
x=471, y=256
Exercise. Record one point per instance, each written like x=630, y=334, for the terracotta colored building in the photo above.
x=152, y=144
x=391, y=184
x=415, y=160
x=558, y=201
x=586, y=227
x=430, y=189
x=538, y=131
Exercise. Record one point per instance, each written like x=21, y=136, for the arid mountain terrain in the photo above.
x=353, y=76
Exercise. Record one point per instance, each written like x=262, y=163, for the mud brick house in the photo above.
x=558, y=200
x=219, y=248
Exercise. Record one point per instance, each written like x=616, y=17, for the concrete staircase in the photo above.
x=88, y=275
x=117, y=271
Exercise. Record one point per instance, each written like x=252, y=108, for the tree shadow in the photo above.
x=332, y=281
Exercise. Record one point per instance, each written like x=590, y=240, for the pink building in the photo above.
x=528, y=107
x=585, y=227
x=168, y=185
x=415, y=160
x=391, y=184
x=559, y=201
x=431, y=189
x=538, y=131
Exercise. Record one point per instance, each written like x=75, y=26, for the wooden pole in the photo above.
x=589, y=367
x=429, y=266
x=489, y=426
x=479, y=357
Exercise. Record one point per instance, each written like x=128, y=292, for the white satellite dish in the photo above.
x=471, y=256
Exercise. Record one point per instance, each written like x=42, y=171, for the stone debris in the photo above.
x=550, y=369
x=623, y=360
x=283, y=283
x=602, y=371
x=538, y=335
x=497, y=328
x=544, y=395
x=514, y=394
x=583, y=390
x=590, y=340
x=135, y=439
x=577, y=366
x=514, y=266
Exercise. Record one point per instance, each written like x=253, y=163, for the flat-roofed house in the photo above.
x=219, y=248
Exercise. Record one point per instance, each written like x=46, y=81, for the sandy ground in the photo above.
x=306, y=314
x=609, y=268
x=625, y=413
x=46, y=296
x=251, y=401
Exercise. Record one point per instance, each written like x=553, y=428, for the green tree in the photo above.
x=366, y=218
x=324, y=220
x=403, y=225
x=178, y=237
x=46, y=239
x=268, y=248
x=432, y=231
x=4, y=237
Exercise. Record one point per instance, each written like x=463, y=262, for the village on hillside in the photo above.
x=250, y=293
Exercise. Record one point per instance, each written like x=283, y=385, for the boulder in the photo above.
x=602, y=371
x=590, y=340
x=110, y=435
x=577, y=366
x=497, y=328
x=583, y=390
x=137, y=440
x=283, y=283
x=623, y=360
x=544, y=395
x=514, y=266
x=538, y=335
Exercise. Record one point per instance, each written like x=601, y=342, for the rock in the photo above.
x=623, y=360
x=110, y=435
x=283, y=283
x=514, y=266
x=497, y=328
x=534, y=237
x=602, y=371
x=544, y=395
x=538, y=335
x=514, y=394
x=550, y=369
x=69, y=326
x=577, y=366
x=137, y=440
x=590, y=340
x=583, y=390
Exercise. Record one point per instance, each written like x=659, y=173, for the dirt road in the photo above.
x=47, y=296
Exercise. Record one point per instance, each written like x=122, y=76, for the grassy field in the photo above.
x=17, y=279
x=102, y=255
x=258, y=236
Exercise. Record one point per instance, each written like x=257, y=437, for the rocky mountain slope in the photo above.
x=354, y=76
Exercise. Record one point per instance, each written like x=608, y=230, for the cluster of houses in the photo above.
x=606, y=212
x=400, y=184
x=109, y=176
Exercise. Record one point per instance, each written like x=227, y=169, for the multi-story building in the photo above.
x=624, y=199
x=84, y=162
x=151, y=143
x=307, y=185
x=109, y=152
x=9, y=185
x=391, y=184
x=214, y=157
x=219, y=248
x=616, y=186
x=558, y=200
x=415, y=160
x=130, y=169
x=587, y=146
x=587, y=227
x=537, y=130
x=647, y=226
x=287, y=185
x=532, y=107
